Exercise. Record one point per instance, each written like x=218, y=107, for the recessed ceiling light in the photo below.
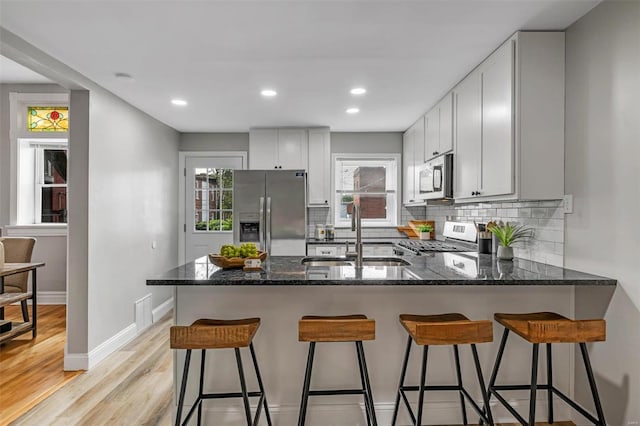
x=179, y=102
x=269, y=93
x=124, y=76
x=358, y=91
x=353, y=110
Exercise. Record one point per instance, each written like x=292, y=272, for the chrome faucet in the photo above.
x=356, y=225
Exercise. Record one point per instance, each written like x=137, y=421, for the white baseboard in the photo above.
x=52, y=298
x=75, y=362
x=162, y=310
x=112, y=344
x=318, y=414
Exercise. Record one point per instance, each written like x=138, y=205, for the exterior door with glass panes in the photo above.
x=209, y=204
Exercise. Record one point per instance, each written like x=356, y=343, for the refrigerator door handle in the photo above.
x=261, y=225
x=268, y=225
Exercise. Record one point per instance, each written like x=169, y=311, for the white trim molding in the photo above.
x=47, y=230
x=162, y=310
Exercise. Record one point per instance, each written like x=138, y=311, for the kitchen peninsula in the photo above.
x=476, y=285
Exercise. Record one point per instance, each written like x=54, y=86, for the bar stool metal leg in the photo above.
x=549, y=384
x=423, y=376
x=592, y=384
x=494, y=372
x=261, y=386
x=183, y=386
x=483, y=390
x=534, y=384
x=201, y=391
x=366, y=399
x=459, y=376
x=403, y=374
x=368, y=393
x=243, y=385
x=307, y=383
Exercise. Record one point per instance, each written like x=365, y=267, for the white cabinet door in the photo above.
x=292, y=149
x=432, y=137
x=319, y=171
x=263, y=149
x=408, y=167
x=468, y=136
x=497, y=164
x=445, y=127
x=418, y=154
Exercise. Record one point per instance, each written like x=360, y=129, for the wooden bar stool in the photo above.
x=219, y=334
x=548, y=327
x=445, y=329
x=349, y=328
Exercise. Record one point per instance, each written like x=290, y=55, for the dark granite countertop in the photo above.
x=431, y=269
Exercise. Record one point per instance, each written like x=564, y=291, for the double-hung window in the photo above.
x=372, y=182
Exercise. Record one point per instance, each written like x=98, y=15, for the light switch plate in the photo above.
x=568, y=204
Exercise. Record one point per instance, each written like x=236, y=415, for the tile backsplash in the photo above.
x=323, y=215
x=546, y=218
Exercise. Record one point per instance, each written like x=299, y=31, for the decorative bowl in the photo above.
x=232, y=262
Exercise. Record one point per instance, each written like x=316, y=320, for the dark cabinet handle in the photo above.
x=326, y=201
x=435, y=153
x=275, y=167
x=473, y=193
x=279, y=167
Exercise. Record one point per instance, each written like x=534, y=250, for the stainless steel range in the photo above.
x=458, y=237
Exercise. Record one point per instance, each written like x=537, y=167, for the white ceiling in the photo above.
x=218, y=55
x=14, y=73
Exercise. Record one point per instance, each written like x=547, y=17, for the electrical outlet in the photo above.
x=154, y=244
x=568, y=204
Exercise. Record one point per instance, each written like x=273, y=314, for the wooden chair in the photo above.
x=548, y=328
x=18, y=250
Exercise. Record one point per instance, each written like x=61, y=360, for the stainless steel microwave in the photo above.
x=436, y=179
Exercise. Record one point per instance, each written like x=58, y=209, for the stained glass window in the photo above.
x=48, y=119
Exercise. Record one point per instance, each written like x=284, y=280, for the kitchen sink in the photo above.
x=345, y=261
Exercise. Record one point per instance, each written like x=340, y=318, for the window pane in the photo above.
x=345, y=209
x=214, y=200
x=227, y=178
x=372, y=206
x=227, y=200
x=201, y=178
x=200, y=221
x=369, y=179
x=227, y=220
x=214, y=220
x=48, y=119
x=55, y=166
x=54, y=205
x=213, y=177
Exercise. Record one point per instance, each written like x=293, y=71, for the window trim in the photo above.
x=18, y=102
x=367, y=223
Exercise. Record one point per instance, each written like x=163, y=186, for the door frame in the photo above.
x=182, y=195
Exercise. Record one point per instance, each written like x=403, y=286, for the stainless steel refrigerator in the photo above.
x=269, y=209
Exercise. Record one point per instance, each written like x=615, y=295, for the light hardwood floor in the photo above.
x=133, y=386
x=32, y=369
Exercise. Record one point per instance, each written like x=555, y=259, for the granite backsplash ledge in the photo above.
x=546, y=218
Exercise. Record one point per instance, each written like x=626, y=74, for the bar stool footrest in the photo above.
x=229, y=395
x=494, y=391
x=426, y=388
x=336, y=392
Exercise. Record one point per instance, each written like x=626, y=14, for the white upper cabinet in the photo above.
x=278, y=149
x=263, y=149
x=496, y=162
x=509, y=122
x=468, y=136
x=319, y=171
x=412, y=158
x=439, y=128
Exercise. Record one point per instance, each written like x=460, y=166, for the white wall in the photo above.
x=214, y=142
x=602, y=172
x=133, y=194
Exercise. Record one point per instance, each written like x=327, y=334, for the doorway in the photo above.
x=207, y=209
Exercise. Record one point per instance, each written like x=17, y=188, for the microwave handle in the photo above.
x=439, y=184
